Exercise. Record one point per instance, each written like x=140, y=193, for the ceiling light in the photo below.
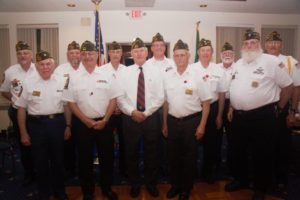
x=203, y=5
x=71, y=5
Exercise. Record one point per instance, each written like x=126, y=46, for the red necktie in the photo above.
x=141, y=92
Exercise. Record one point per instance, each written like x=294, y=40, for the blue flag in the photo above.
x=99, y=40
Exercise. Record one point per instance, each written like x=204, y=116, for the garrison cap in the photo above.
x=42, y=55
x=21, y=45
x=250, y=34
x=273, y=36
x=73, y=45
x=88, y=46
x=114, y=46
x=203, y=42
x=227, y=47
x=157, y=37
x=180, y=45
x=138, y=43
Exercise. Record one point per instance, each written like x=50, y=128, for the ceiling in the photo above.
x=244, y=6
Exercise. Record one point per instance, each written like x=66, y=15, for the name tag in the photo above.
x=36, y=93
x=189, y=91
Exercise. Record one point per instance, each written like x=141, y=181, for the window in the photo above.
x=40, y=37
x=4, y=57
x=233, y=35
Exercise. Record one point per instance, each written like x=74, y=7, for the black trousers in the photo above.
x=47, y=139
x=116, y=122
x=282, y=149
x=182, y=151
x=70, y=148
x=148, y=130
x=211, y=144
x=254, y=132
x=25, y=151
x=104, y=141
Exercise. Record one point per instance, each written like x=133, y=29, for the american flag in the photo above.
x=99, y=40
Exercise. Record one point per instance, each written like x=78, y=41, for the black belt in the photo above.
x=197, y=114
x=52, y=116
x=270, y=107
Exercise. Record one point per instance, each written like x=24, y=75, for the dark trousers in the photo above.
x=70, y=148
x=25, y=151
x=254, y=132
x=211, y=144
x=104, y=140
x=116, y=122
x=281, y=151
x=227, y=130
x=47, y=138
x=182, y=151
x=133, y=133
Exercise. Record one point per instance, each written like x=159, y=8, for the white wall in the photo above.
x=117, y=26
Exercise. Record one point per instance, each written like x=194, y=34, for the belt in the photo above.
x=97, y=118
x=254, y=111
x=52, y=116
x=186, y=117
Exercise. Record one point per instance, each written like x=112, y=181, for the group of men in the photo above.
x=77, y=106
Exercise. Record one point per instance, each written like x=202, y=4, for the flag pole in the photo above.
x=197, y=40
x=98, y=29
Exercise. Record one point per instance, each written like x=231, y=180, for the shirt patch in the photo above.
x=15, y=83
x=36, y=93
x=254, y=84
x=168, y=69
x=259, y=70
x=101, y=81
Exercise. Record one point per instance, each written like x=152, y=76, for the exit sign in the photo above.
x=136, y=14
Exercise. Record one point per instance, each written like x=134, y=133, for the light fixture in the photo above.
x=71, y=5
x=203, y=5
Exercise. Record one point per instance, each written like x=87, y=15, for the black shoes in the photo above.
x=172, y=192
x=234, y=186
x=109, y=194
x=135, y=191
x=28, y=180
x=258, y=195
x=88, y=197
x=153, y=191
x=184, y=196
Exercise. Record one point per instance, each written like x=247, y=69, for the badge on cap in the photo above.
x=189, y=91
x=254, y=84
x=36, y=93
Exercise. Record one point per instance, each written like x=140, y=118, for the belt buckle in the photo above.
x=51, y=116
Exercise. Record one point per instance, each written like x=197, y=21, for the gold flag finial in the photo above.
x=197, y=24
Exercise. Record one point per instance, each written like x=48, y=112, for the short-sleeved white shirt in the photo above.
x=162, y=65
x=184, y=93
x=215, y=75
x=295, y=70
x=257, y=83
x=228, y=75
x=92, y=91
x=42, y=97
x=13, y=80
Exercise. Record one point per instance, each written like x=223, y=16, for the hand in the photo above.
x=137, y=116
x=290, y=120
x=230, y=114
x=100, y=124
x=200, y=132
x=164, y=130
x=219, y=122
x=25, y=139
x=67, y=133
x=89, y=123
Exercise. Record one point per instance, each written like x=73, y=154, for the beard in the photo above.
x=227, y=60
x=251, y=55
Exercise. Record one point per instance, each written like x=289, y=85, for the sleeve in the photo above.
x=115, y=88
x=123, y=101
x=204, y=91
x=296, y=72
x=222, y=85
x=22, y=101
x=281, y=77
x=68, y=92
x=158, y=97
x=5, y=86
